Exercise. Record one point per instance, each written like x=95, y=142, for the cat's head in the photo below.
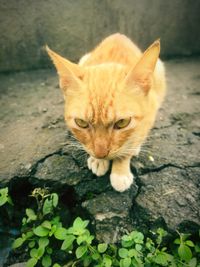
x=108, y=107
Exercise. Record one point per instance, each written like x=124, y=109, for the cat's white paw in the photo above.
x=121, y=182
x=98, y=166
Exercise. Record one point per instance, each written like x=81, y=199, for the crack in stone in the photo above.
x=196, y=134
x=160, y=168
x=35, y=166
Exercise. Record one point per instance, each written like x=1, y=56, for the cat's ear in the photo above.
x=142, y=72
x=69, y=73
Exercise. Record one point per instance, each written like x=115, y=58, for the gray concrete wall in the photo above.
x=72, y=27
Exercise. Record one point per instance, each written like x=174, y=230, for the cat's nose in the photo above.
x=100, y=150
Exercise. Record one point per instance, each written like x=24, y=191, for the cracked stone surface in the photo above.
x=36, y=147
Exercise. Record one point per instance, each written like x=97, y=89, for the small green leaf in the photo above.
x=132, y=253
x=46, y=261
x=185, y=236
x=31, y=215
x=61, y=233
x=56, y=265
x=9, y=200
x=177, y=241
x=80, y=224
x=68, y=242
x=138, y=237
x=46, y=224
x=34, y=253
x=56, y=220
x=149, y=244
x=31, y=262
x=189, y=243
x=123, y=252
x=184, y=252
x=89, y=239
x=3, y=201
x=107, y=262
x=161, y=259
x=41, y=231
x=80, y=251
x=161, y=232
x=87, y=260
x=3, y=196
x=54, y=198
x=31, y=244
x=43, y=242
x=126, y=238
x=96, y=256
x=24, y=221
x=85, y=223
x=85, y=237
x=125, y=262
x=81, y=239
x=49, y=250
x=18, y=242
x=29, y=234
x=102, y=247
x=47, y=207
x=138, y=247
x=53, y=229
x=197, y=248
x=192, y=262
x=40, y=252
x=127, y=241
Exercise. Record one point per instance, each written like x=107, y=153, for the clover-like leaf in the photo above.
x=41, y=231
x=47, y=206
x=31, y=262
x=80, y=251
x=46, y=261
x=43, y=242
x=18, y=242
x=107, y=262
x=123, y=252
x=31, y=215
x=60, y=233
x=46, y=224
x=184, y=252
x=68, y=242
x=102, y=247
x=125, y=262
x=54, y=198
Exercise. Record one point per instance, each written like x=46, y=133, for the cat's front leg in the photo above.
x=121, y=177
x=98, y=166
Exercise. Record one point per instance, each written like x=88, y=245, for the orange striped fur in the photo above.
x=113, y=82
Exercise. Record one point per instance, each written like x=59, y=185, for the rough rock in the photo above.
x=169, y=196
x=60, y=168
x=36, y=147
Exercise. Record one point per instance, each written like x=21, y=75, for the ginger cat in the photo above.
x=111, y=100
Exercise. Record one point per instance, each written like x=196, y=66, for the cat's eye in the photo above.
x=81, y=123
x=120, y=124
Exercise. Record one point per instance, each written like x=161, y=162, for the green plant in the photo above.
x=187, y=249
x=39, y=229
x=4, y=197
x=43, y=234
